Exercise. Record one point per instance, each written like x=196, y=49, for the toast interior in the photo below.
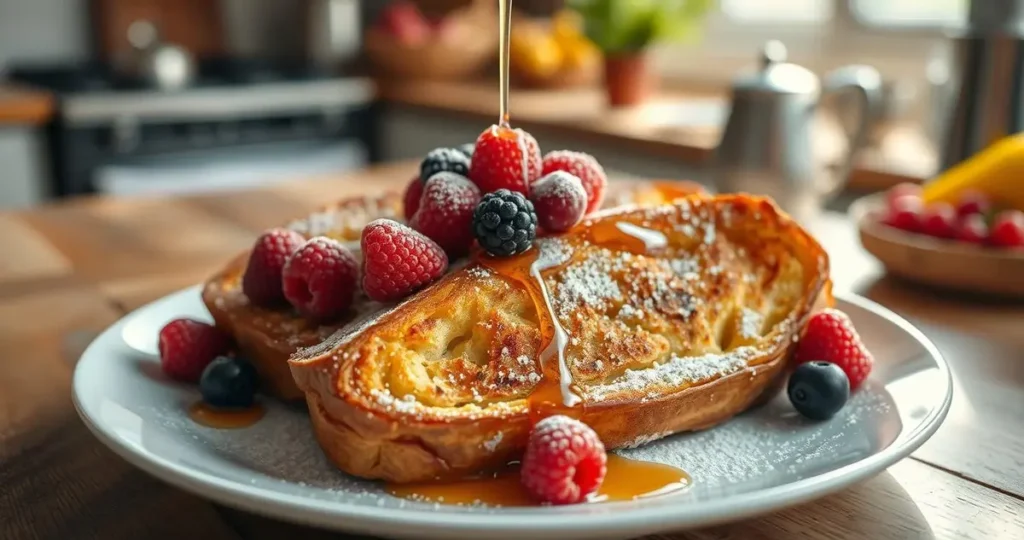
x=676, y=318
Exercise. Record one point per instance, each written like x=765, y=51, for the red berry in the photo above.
x=939, y=220
x=564, y=461
x=830, y=336
x=445, y=212
x=559, y=200
x=973, y=229
x=398, y=261
x=261, y=282
x=1008, y=229
x=972, y=202
x=904, y=213
x=187, y=346
x=320, y=278
x=901, y=190
x=582, y=166
x=411, y=199
x=505, y=158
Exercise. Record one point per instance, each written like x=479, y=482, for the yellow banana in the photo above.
x=997, y=171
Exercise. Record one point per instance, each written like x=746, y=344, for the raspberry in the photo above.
x=939, y=220
x=320, y=278
x=904, y=213
x=902, y=190
x=187, y=346
x=505, y=223
x=398, y=261
x=444, y=160
x=831, y=337
x=1008, y=229
x=973, y=229
x=564, y=461
x=261, y=282
x=582, y=166
x=411, y=198
x=972, y=202
x=560, y=200
x=505, y=158
x=445, y=212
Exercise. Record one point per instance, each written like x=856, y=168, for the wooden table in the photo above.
x=67, y=271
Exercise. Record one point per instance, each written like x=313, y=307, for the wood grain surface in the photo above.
x=20, y=105
x=70, y=270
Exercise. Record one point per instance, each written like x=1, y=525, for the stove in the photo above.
x=114, y=134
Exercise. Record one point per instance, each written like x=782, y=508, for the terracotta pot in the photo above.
x=628, y=79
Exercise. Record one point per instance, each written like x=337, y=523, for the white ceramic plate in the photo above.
x=764, y=460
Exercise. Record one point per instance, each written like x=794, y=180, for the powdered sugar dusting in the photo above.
x=447, y=190
x=750, y=323
x=560, y=185
x=588, y=282
x=678, y=371
x=773, y=443
x=768, y=446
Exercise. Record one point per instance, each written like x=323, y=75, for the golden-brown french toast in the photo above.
x=640, y=321
x=267, y=337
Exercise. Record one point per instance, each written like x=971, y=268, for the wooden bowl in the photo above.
x=948, y=264
x=435, y=60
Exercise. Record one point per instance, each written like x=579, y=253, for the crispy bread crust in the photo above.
x=393, y=440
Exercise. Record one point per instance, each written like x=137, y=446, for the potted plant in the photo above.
x=624, y=30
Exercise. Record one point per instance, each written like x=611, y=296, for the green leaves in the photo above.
x=624, y=26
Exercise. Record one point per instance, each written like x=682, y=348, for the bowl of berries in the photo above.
x=970, y=241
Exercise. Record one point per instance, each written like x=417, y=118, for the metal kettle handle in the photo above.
x=865, y=82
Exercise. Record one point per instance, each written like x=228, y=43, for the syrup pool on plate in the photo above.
x=203, y=414
x=626, y=480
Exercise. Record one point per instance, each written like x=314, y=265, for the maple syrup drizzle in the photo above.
x=625, y=480
x=554, y=392
x=208, y=416
x=504, y=37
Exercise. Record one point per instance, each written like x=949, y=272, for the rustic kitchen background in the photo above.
x=146, y=97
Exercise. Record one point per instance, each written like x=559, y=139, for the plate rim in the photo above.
x=339, y=515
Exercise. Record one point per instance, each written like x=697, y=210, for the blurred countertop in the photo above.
x=21, y=105
x=676, y=123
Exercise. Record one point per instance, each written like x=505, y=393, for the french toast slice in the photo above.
x=641, y=321
x=267, y=337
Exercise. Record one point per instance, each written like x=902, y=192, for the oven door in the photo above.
x=225, y=169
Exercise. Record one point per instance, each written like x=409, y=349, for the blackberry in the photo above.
x=505, y=223
x=467, y=149
x=444, y=160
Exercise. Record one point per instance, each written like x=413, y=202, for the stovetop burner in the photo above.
x=93, y=77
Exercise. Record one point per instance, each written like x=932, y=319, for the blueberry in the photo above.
x=229, y=383
x=818, y=390
x=467, y=149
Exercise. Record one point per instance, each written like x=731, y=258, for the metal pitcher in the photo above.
x=767, y=145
